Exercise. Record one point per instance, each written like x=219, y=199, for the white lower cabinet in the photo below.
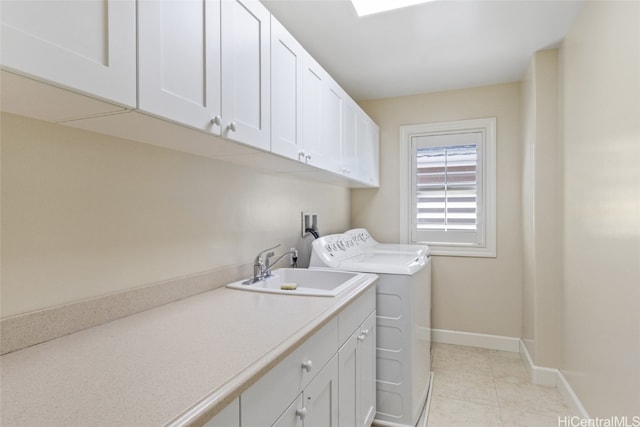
x=365, y=372
x=317, y=405
x=292, y=416
x=328, y=381
x=357, y=383
x=320, y=398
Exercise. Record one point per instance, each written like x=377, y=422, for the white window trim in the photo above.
x=488, y=127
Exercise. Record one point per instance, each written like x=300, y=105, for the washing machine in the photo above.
x=403, y=319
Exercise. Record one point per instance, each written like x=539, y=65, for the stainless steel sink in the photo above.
x=315, y=282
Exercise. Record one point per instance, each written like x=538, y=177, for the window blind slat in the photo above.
x=446, y=187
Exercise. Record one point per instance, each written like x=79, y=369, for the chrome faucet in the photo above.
x=266, y=272
x=258, y=265
x=262, y=270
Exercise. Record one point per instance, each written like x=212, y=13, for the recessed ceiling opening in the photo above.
x=370, y=7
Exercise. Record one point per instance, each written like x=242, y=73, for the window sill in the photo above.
x=462, y=251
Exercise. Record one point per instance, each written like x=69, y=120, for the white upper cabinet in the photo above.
x=286, y=92
x=367, y=135
x=206, y=64
x=85, y=46
x=348, y=152
x=313, y=99
x=179, y=61
x=223, y=67
x=334, y=126
x=246, y=76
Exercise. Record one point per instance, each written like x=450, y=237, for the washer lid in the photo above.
x=403, y=264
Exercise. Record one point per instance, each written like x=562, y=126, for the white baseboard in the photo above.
x=492, y=342
x=570, y=396
x=539, y=376
x=552, y=378
x=548, y=377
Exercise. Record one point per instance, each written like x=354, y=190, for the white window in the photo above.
x=447, y=187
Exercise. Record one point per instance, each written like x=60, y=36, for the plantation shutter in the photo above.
x=447, y=188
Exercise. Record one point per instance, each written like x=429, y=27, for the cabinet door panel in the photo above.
x=367, y=149
x=321, y=397
x=313, y=87
x=348, y=151
x=86, y=46
x=286, y=99
x=290, y=417
x=246, y=72
x=265, y=400
x=347, y=371
x=334, y=120
x=179, y=65
x=366, y=366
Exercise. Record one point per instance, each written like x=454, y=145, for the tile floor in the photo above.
x=478, y=387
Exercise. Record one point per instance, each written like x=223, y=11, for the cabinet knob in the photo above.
x=301, y=155
x=307, y=366
x=232, y=127
x=307, y=157
x=301, y=413
x=363, y=334
x=216, y=120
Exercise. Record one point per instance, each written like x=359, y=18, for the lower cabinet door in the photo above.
x=321, y=397
x=347, y=370
x=366, y=372
x=293, y=416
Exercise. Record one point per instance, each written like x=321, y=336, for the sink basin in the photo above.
x=316, y=282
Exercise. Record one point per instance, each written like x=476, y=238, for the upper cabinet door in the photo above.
x=348, y=151
x=286, y=92
x=246, y=72
x=313, y=99
x=367, y=135
x=334, y=127
x=179, y=61
x=86, y=46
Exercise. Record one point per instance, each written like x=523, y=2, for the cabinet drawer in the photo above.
x=355, y=313
x=264, y=401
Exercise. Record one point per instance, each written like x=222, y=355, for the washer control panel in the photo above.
x=335, y=248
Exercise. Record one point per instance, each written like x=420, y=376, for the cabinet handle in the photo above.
x=216, y=120
x=301, y=413
x=232, y=127
x=307, y=366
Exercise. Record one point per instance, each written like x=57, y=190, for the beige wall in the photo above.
x=601, y=113
x=528, y=98
x=541, y=211
x=85, y=214
x=481, y=295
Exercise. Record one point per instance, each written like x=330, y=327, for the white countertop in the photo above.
x=151, y=368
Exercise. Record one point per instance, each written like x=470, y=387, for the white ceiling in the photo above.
x=436, y=46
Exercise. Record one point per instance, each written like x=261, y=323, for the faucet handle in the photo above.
x=266, y=250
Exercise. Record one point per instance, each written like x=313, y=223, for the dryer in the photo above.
x=403, y=320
